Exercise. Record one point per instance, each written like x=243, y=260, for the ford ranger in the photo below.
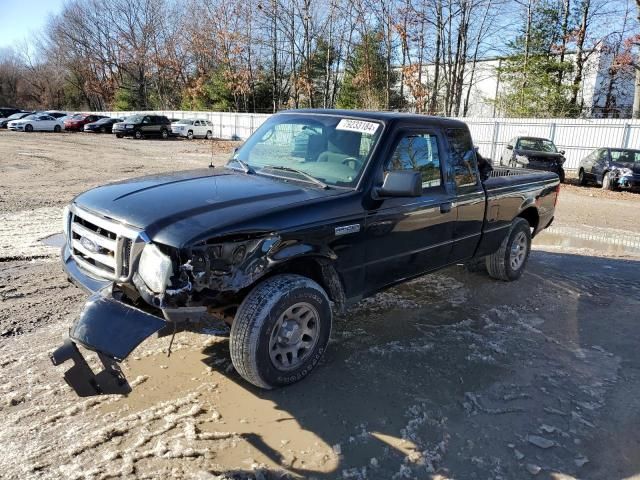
x=317, y=210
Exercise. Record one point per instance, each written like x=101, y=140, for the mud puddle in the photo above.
x=601, y=240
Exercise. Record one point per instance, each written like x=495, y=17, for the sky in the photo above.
x=18, y=18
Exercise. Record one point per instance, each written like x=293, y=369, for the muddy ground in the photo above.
x=451, y=376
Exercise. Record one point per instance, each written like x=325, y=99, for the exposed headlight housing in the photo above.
x=155, y=268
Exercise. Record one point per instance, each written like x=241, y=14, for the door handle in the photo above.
x=445, y=207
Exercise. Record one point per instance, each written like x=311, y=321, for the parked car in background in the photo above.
x=77, y=122
x=611, y=168
x=6, y=112
x=140, y=126
x=535, y=153
x=56, y=113
x=36, y=122
x=192, y=128
x=16, y=116
x=103, y=125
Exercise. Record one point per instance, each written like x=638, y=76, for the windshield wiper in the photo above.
x=244, y=166
x=308, y=177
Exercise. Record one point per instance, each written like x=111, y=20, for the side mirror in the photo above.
x=509, y=147
x=400, y=184
x=561, y=152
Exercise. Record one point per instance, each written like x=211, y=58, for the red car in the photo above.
x=79, y=120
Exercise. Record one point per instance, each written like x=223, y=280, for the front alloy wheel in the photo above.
x=280, y=331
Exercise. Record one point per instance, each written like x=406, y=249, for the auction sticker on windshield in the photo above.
x=357, y=126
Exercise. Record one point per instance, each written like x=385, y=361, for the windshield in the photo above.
x=78, y=116
x=625, y=156
x=30, y=117
x=536, y=145
x=134, y=119
x=329, y=148
x=16, y=116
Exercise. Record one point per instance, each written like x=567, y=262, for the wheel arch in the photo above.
x=531, y=215
x=321, y=270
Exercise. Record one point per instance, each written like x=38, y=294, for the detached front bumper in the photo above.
x=107, y=326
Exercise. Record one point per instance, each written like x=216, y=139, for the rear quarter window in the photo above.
x=464, y=165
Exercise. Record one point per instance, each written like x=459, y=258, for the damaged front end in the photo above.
x=112, y=329
x=172, y=287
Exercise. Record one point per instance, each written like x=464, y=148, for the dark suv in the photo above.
x=140, y=126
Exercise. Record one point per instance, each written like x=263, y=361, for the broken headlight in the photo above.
x=155, y=268
x=622, y=172
x=522, y=160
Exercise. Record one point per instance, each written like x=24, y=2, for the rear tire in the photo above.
x=509, y=261
x=57, y=129
x=280, y=331
x=208, y=135
x=103, y=130
x=118, y=135
x=28, y=128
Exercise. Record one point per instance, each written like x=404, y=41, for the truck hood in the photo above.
x=179, y=208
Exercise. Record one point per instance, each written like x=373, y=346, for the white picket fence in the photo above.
x=577, y=137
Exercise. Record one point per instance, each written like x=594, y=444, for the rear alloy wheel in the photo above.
x=607, y=183
x=280, y=331
x=164, y=133
x=190, y=135
x=581, y=179
x=57, y=129
x=208, y=135
x=28, y=128
x=137, y=134
x=509, y=261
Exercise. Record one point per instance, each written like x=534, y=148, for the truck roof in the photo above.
x=384, y=116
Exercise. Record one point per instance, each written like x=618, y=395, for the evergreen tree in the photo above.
x=532, y=71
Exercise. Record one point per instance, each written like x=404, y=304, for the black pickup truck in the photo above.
x=317, y=210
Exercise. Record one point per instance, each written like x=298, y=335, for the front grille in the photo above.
x=101, y=246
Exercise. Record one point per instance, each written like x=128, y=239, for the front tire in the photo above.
x=118, y=135
x=280, y=331
x=190, y=135
x=28, y=128
x=164, y=133
x=582, y=181
x=137, y=134
x=509, y=261
x=607, y=183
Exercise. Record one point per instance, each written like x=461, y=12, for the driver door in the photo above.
x=410, y=236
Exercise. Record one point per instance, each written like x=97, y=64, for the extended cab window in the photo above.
x=463, y=157
x=418, y=152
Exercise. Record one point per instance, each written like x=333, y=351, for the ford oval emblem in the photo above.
x=89, y=244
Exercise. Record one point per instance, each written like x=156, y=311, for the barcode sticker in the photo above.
x=357, y=126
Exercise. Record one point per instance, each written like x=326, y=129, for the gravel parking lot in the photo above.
x=453, y=375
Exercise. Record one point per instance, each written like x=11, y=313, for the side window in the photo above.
x=418, y=152
x=463, y=157
x=197, y=123
x=602, y=155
